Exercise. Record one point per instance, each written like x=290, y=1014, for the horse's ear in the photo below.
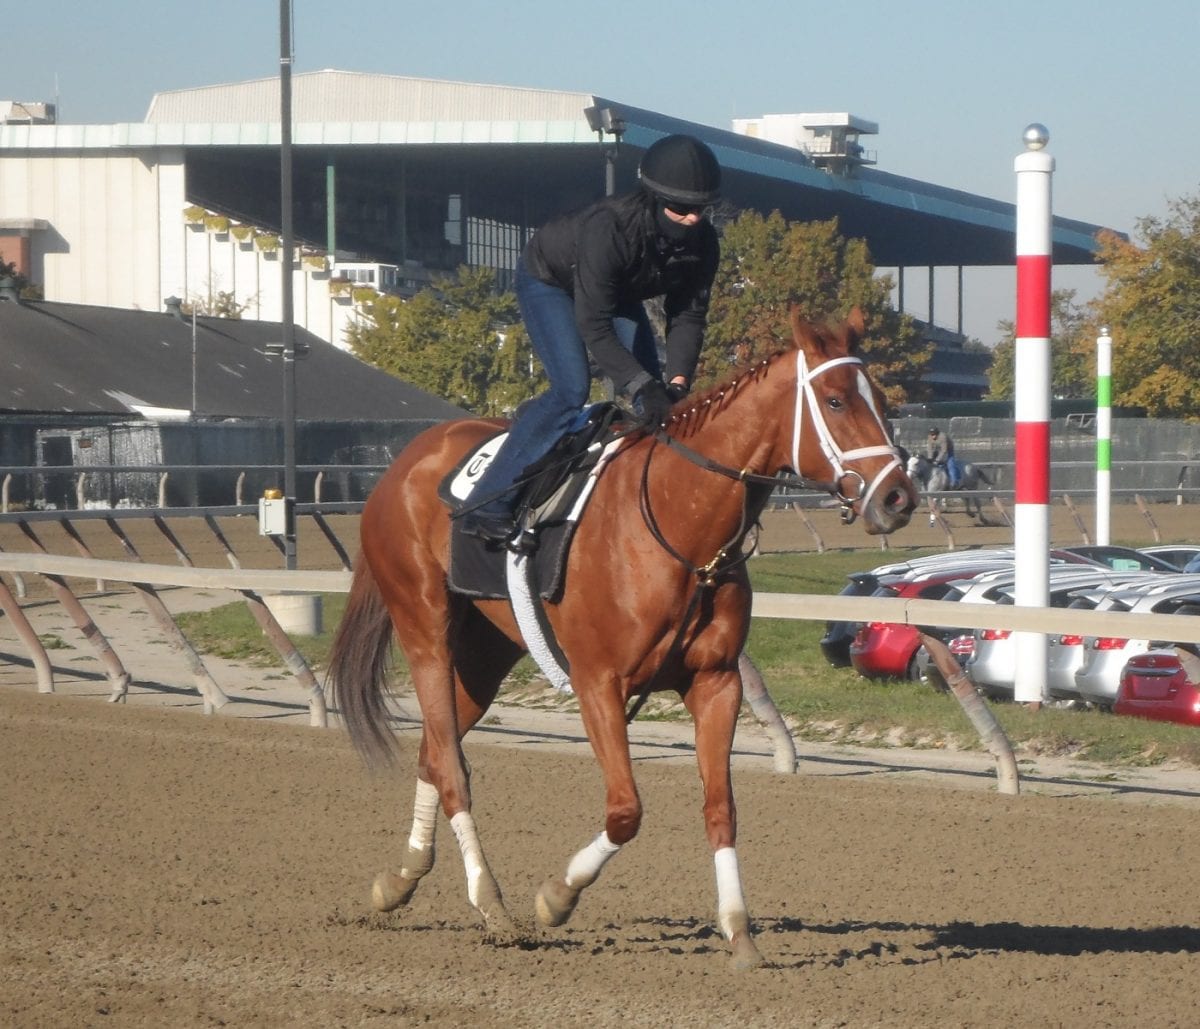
x=857, y=321
x=802, y=332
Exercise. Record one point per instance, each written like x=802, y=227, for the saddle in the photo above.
x=551, y=502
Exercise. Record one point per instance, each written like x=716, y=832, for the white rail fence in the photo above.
x=253, y=584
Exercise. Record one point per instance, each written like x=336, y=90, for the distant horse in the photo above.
x=931, y=478
x=656, y=597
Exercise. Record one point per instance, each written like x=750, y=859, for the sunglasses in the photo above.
x=683, y=210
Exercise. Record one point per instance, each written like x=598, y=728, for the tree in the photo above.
x=1151, y=305
x=767, y=264
x=461, y=339
x=1072, y=364
x=28, y=290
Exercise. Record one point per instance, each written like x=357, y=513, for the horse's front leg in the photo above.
x=714, y=700
x=604, y=719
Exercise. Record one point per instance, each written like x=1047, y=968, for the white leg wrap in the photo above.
x=730, y=901
x=586, y=865
x=424, y=821
x=472, y=853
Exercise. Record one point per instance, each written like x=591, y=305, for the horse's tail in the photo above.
x=983, y=476
x=358, y=668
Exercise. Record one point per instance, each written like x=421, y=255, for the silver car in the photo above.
x=1104, y=657
x=993, y=663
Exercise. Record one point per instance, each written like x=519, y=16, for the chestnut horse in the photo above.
x=653, y=600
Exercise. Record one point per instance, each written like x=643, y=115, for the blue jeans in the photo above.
x=549, y=316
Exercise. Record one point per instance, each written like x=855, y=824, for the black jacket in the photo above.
x=610, y=254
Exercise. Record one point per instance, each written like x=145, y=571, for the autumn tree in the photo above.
x=768, y=264
x=1072, y=364
x=461, y=339
x=1151, y=305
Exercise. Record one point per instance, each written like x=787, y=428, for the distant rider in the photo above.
x=939, y=448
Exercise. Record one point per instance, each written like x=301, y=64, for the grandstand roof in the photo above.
x=509, y=138
x=104, y=360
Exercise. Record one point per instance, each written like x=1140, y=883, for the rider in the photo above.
x=939, y=448
x=580, y=285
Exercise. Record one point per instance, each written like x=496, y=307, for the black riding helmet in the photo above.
x=682, y=170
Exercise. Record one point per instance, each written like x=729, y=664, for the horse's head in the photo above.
x=840, y=434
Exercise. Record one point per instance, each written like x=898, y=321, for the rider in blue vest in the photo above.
x=580, y=285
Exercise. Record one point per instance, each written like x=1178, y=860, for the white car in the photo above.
x=1104, y=657
x=993, y=662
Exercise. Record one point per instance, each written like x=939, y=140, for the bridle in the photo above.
x=732, y=554
x=834, y=454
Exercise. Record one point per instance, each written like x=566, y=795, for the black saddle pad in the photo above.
x=548, y=506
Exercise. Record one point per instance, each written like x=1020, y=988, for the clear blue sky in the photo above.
x=951, y=84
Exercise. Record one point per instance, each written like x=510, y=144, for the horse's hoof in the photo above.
x=555, y=902
x=390, y=891
x=498, y=927
x=745, y=954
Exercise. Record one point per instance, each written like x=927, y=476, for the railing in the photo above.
x=239, y=482
x=250, y=584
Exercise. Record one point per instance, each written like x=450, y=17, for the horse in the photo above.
x=655, y=597
x=931, y=478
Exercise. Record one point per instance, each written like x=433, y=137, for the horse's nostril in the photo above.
x=899, y=501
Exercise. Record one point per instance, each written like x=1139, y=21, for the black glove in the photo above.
x=676, y=391
x=653, y=403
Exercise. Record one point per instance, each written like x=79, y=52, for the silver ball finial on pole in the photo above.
x=1035, y=136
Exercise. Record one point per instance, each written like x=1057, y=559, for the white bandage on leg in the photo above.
x=730, y=901
x=586, y=865
x=425, y=812
x=472, y=853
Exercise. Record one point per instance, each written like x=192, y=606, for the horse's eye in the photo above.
x=835, y=403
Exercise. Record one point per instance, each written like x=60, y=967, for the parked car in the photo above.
x=835, y=644
x=1179, y=554
x=1161, y=684
x=1099, y=677
x=993, y=661
x=1120, y=558
x=888, y=649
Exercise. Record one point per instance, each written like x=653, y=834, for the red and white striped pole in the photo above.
x=1031, y=524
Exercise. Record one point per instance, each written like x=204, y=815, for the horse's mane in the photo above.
x=704, y=405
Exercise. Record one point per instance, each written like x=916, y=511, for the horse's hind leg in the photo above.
x=391, y=889
x=478, y=670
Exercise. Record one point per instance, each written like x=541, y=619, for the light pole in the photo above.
x=606, y=121
x=287, y=303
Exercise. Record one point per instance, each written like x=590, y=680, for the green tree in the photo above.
x=768, y=264
x=1072, y=363
x=28, y=290
x=1151, y=305
x=461, y=339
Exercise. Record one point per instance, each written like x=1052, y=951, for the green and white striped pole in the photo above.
x=1103, y=436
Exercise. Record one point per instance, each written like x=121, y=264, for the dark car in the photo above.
x=1122, y=559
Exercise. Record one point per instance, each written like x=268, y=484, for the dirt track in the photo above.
x=159, y=868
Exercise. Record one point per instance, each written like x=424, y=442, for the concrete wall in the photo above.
x=117, y=236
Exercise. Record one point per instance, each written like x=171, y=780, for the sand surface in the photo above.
x=163, y=868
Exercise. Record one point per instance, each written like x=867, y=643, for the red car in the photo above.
x=1156, y=685
x=889, y=649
